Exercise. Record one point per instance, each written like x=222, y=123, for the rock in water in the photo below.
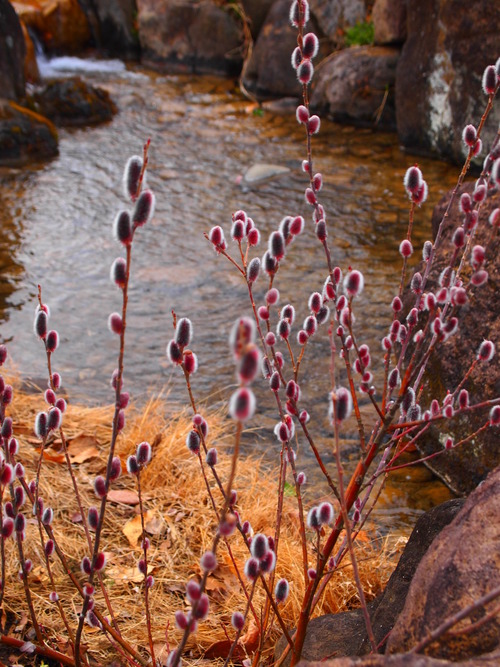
x=24, y=135
x=258, y=173
x=72, y=102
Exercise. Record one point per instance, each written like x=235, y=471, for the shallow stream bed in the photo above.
x=56, y=230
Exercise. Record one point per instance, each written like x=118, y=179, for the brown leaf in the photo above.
x=133, y=528
x=52, y=456
x=82, y=448
x=250, y=639
x=132, y=574
x=155, y=525
x=22, y=623
x=123, y=496
x=221, y=649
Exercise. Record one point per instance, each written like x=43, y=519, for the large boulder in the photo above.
x=117, y=27
x=464, y=467
x=389, y=22
x=460, y=567
x=356, y=85
x=72, y=102
x=392, y=600
x=183, y=36
x=12, y=53
x=24, y=135
x=438, y=80
x=61, y=25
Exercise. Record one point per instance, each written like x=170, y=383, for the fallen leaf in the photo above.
x=123, y=496
x=133, y=528
x=250, y=639
x=221, y=650
x=131, y=574
x=155, y=525
x=22, y=623
x=82, y=448
x=52, y=456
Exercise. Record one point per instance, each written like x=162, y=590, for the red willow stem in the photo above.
x=74, y=483
x=347, y=525
x=115, y=430
x=146, y=587
x=39, y=650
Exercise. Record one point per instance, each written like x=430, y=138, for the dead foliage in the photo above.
x=180, y=523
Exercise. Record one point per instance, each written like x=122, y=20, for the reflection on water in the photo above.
x=57, y=231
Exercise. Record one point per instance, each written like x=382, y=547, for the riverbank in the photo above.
x=179, y=522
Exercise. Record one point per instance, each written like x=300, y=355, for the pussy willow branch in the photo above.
x=115, y=431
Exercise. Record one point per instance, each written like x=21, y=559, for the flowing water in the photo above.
x=56, y=230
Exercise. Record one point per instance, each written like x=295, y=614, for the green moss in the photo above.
x=360, y=34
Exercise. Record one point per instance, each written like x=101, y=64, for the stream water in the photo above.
x=56, y=230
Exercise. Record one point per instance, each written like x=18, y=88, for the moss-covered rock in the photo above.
x=24, y=135
x=72, y=102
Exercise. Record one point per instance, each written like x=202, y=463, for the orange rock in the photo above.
x=61, y=24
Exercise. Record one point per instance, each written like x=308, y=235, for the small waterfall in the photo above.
x=58, y=66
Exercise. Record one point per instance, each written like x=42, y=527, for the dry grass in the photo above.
x=181, y=524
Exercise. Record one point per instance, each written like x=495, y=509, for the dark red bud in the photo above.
x=144, y=208
x=277, y=246
x=310, y=45
x=93, y=518
x=242, y=405
x=183, y=332
x=123, y=228
x=119, y=272
x=253, y=270
x=41, y=324
x=116, y=469
x=490, y=80
x=132, y=176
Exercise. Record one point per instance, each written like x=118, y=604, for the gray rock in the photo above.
x=356, y=85
x=334, y=17
x=117, y=30
x=182, y=36
x=259, y=173
x=71, y=102
x=438, y=79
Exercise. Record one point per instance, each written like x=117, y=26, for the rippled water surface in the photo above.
x=56, y=230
